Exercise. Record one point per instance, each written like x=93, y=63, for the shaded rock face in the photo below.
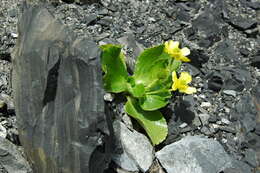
x=59, y=97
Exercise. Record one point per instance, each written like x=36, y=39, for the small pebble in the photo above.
x=228, y=129
x=219, y=122
x=14, y=35
x=212, y=119
x=202, y=96
x=227, y=110
x=205, y=130
x=205, y=104
x=215, y=126
x=196, y=121
x=151, y=19
x=127, y=120
x=108, y=97
x=3, y=131
x=224, y=140
x=204, y=118
x=230, y=93
x=183, y=125
x=225, y=121
x=186, y=129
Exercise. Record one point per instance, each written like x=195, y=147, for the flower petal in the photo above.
x=174, y=76
x=185, y=51
x=184, y=59
x=174, y=45
x=189, y=90
x=174, y=86
x=166, y=45
x=175, y=81
x=185, y=77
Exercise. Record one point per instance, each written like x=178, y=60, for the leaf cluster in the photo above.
x=147, y=90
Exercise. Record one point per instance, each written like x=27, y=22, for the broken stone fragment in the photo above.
x=197, y=154
x=134, y=150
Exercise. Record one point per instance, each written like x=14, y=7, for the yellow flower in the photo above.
x=172, y=48
x=182, y=83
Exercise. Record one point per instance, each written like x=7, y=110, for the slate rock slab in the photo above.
x=246, y=113
x=11, y=158
x=195, y=154
x=59, y=97
x=134, y=150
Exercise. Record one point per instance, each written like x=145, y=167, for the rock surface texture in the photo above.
x=12, y=159
x=134, y=149
x=196, y=154
x=59, y=97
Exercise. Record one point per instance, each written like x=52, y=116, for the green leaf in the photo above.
x=152, y=65
x=152, y=102
x=158, y=85
x=156, y=95
x=152, y=121
x=113, y=64
x=138, y=90
x=176, y=65
x=155, y=100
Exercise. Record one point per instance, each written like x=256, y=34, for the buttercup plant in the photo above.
x=151, y=85
x=172, y=48
x=181, y=83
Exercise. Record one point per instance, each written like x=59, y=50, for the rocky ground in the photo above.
x=225, y=51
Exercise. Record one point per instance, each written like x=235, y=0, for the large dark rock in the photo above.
x=59, y=97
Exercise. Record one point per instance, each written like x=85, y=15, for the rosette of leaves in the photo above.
x=147, y=90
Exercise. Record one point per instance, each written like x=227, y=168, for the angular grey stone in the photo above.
x=196, y=121
x=240, y=167
x=108, y=97
x=232, y=170
x=257, y=129
x=8, y=100
x=156, y=168
x=204, y=118
x=3, y=131
x=228, y=129
x=59, y=97
x=225, y=49
x=194, y=154
x=183, y=125
x=119, y=170
x=225, y=121
x=207, y=131
x=230, y=92
x=246, y=112
x=135, y=146
x=125, y=162
x=208, y=21
x=250, y=157
x=88, y=19
x=11, y=158
x=242, y=23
